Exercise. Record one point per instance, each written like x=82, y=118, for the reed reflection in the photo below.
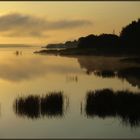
x=107, y=103
x=28, y=106
x=72, y=78
x=34, y=107
x=52, y=105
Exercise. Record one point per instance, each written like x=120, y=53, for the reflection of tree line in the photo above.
x=110, y=69
x=107, y=103
x=105, y=73
x=132, y=75
x=50, y=105
x=102, y=103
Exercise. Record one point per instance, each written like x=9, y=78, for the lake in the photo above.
x=48, y=96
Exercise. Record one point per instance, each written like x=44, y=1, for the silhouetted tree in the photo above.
x=104, y=42
x=130, y=35
x=108, y=41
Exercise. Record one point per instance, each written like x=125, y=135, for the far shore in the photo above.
x=91, y=52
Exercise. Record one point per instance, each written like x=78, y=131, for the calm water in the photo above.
x=57, y=90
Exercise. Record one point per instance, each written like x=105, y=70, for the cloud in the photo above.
x=16, y=24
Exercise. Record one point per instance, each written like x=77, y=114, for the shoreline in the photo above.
x=89, y=52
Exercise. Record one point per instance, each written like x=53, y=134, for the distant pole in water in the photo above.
x=113, y=32
x=81, y=108
x=17, y=52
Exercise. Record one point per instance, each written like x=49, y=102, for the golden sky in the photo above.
x=51, y=22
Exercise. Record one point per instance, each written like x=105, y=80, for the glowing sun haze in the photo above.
x=51, y=22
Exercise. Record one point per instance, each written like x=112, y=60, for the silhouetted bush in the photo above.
x=123, y=104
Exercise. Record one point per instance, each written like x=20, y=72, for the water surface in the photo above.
x=32, y=80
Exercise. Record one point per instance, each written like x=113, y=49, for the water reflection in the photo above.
x=50, y=105
x=100, y=63
x=105, y=73
x=72, y=78
x=28, y=67
x=132, y=75
x=13, y=68
x=107, y=103
x=107, y=67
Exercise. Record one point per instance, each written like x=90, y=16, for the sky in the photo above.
x=54, y=22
